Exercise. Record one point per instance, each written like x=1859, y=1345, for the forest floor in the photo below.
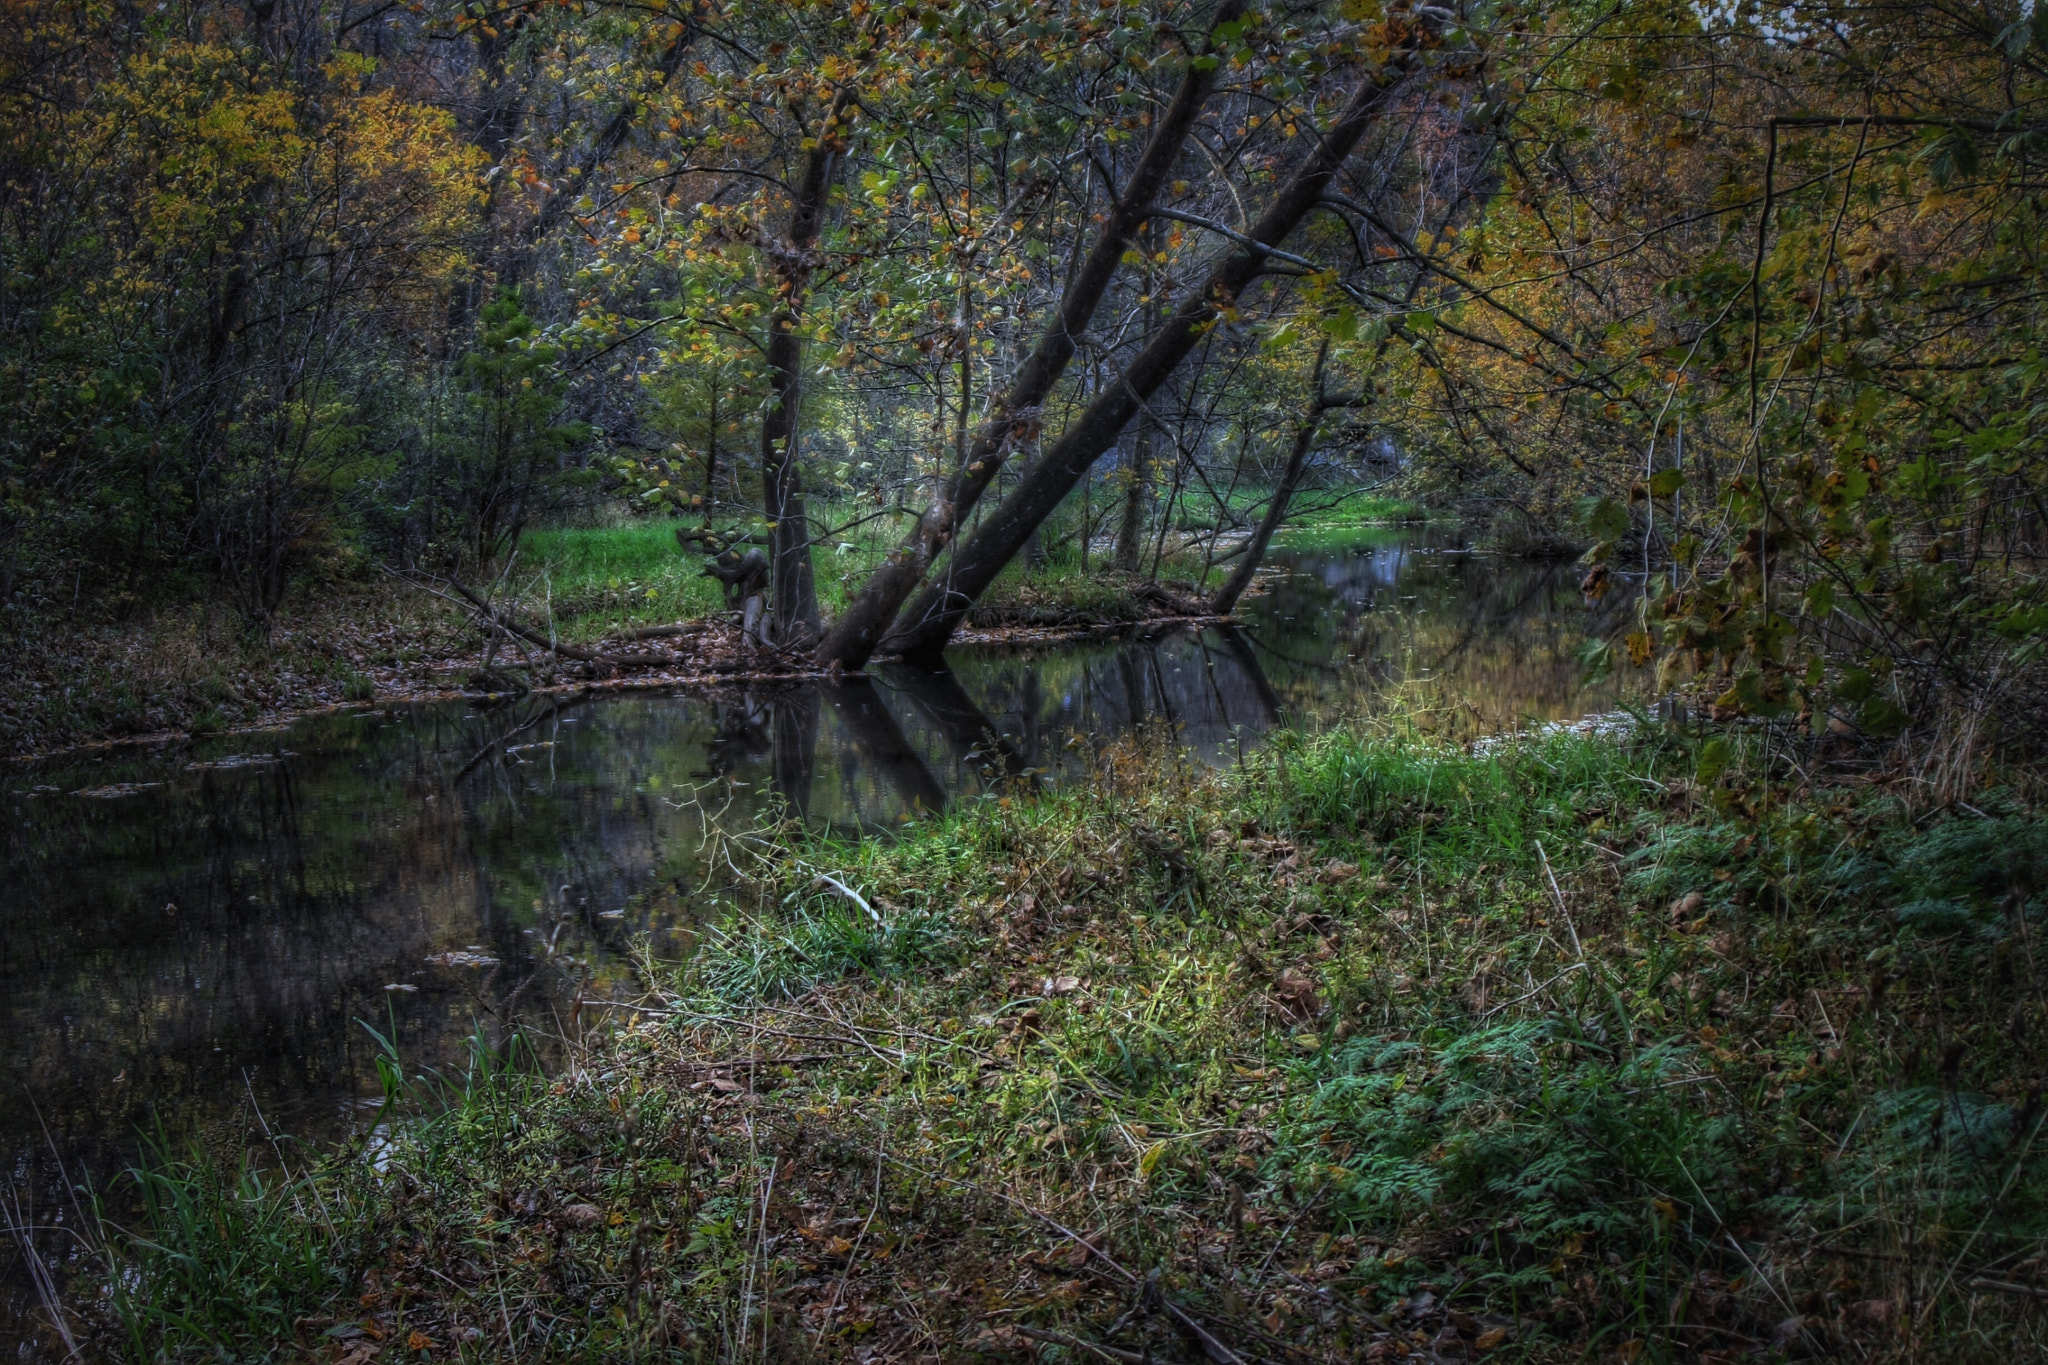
x=1645, y=1048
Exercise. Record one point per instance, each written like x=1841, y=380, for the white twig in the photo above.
x=843, y=889
x=1574, y=930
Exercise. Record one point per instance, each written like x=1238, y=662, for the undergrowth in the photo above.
x=1368, y=1048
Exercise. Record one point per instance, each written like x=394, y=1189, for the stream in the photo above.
x=196, y=939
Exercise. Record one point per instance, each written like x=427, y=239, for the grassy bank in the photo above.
x=1368, y=1049
x=592, y=581
x=191, y=665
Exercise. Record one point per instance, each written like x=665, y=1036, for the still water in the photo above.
x=194, y=938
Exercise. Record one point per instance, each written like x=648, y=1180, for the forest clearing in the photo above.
x=1093, y=680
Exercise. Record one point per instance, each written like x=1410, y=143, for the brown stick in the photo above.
x=1115, y=1353
x=664, y=632
x=506, y=623
x=2007, y=1287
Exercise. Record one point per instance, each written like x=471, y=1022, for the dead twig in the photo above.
x=2007, y=1287
x=1123, y=1357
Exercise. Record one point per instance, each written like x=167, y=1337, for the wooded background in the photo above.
x=1747, y=299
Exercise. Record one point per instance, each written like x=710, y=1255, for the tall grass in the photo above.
x=257, y=1254
x=1587, y=1048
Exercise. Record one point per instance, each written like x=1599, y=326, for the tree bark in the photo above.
x=1130, y=532
x=793, y=617
x=930, y=620
x=1276, y=510
x=867, y=617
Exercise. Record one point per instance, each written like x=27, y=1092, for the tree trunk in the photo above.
x=930, y=620
x=1276, y=510
x=711, y=455
x=853, y=639
x=880, y=742
x=1130, y=533
x=794, y=593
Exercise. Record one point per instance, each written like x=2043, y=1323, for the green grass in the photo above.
x=1612, y=1053
x=600, y=579
x=596, y=580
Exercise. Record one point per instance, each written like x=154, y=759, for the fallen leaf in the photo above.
x=419, y=1341
x=1060, y=985
x=1491, y=1338
x=581, y=1217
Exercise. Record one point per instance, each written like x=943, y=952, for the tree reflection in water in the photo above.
x=178, y=956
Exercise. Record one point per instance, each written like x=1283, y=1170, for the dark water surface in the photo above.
x=194, y=935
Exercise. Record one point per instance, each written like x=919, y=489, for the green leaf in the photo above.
x=1596, y=657
x=1665, y=482
x=1603, y=517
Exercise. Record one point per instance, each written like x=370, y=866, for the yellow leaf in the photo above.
x=1150, y=1159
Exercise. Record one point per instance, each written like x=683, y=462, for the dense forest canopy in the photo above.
x=1745, y=298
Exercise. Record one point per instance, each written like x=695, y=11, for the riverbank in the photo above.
x=193, y=668
x=195, y=674
x=1365, y=1048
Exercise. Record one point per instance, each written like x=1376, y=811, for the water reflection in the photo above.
x=210, y=944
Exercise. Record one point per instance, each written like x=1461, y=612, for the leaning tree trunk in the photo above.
x=793, y=591
x=867, y=617
x=929, y=621
x=1276, y=511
